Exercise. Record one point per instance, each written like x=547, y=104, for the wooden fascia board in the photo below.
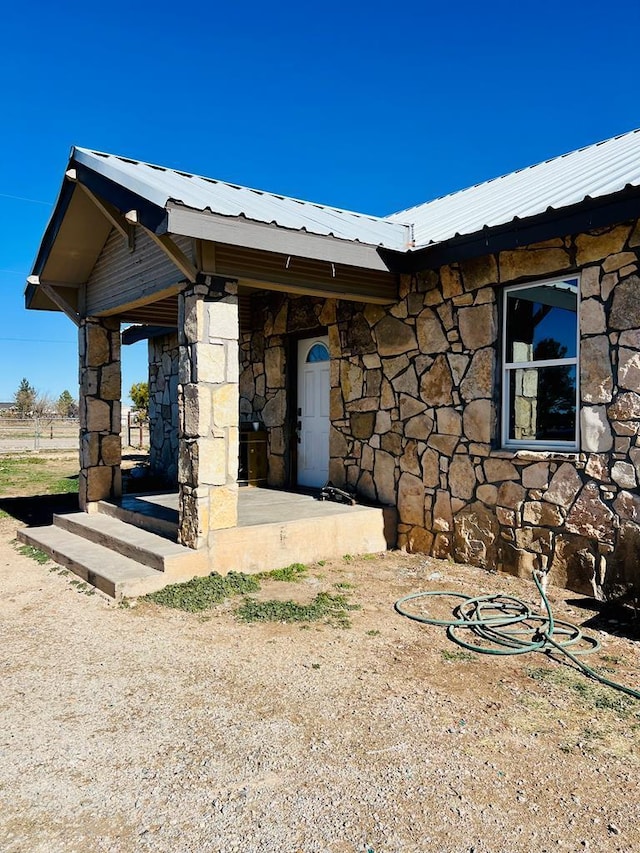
x=236, y=231
x=49, y=289
x=302, y=288
x=109, y=212
x=175, y=254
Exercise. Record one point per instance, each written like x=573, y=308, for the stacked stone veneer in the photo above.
x=100, y=393
x=415, y=395
x=265, y=372
x=208, y=404
x=163, y=408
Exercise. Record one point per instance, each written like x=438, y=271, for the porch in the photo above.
x=130, y=547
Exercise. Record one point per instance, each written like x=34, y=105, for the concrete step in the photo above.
x=112, y=573
x=140, y=545
x=145, y=512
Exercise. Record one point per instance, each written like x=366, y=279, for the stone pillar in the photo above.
x=163, y=408
x=209, y=412
x=100, y=392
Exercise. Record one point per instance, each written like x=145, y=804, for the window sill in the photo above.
x=527, y=455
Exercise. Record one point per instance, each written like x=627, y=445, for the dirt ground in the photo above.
x=141, y=728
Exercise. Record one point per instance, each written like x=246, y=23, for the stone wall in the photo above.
x=415, y=397
x=163, y=408
x=265, y=369
x=208, y=406
x=100, y=407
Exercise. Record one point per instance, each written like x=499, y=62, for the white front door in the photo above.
x=312, y=414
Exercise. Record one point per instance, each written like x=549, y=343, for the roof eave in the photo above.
x=239, y=231
x=575, y=219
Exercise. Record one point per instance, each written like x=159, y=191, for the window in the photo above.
x=318, y=352
x=540, y=365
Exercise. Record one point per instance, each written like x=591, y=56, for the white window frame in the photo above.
x=507, y=367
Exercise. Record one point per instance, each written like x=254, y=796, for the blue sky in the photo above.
x=368, y=106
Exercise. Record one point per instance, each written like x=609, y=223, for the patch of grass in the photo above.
x=64, y=486
x=4, y=514
x=327, y=608
x=347, y=558
x=202, y=593
x=373, y=633
x=456, y=655
x=344, y=585
x=592, y=693
x=34, y=553
x=30, y=474
x=290, y=574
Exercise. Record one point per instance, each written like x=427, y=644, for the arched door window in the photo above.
x=318, y=352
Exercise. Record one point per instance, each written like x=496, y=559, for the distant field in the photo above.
x=27, y=475
x=21, y=434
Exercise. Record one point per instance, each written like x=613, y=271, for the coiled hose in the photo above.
x=504, y=625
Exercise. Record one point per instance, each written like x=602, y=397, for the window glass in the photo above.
x=541, y=322
x=543, y=404
x=540, y=393
x=318, y=352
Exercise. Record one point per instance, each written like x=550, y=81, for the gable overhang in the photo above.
x=78, y=230
x=579, y=218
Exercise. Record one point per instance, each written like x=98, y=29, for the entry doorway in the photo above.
x=312, y=412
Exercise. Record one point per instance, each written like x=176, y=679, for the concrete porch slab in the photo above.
x=275, y=528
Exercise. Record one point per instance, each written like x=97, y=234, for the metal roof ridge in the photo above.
x=343, y=211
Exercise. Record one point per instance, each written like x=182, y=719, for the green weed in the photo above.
x=291, y=574
x=327, y=608
x=202, y=593
x=34, y=553
x=344, y=585
x=456, y=656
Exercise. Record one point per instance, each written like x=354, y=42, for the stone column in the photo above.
x=100, y=392
x=209, y=412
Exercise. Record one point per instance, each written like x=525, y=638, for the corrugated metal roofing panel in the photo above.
x=160, y=186
x=592, y=172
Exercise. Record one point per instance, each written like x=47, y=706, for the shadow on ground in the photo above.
x=38, y=511
x=612, y=617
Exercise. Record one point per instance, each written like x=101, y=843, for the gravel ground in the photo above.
x=146, y=729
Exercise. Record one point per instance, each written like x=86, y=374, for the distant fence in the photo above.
x=38, y=433
x=61, y=433
x=135, y=431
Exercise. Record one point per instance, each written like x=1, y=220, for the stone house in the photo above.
x=473, y=362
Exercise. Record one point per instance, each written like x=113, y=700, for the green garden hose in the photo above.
x=503, y=625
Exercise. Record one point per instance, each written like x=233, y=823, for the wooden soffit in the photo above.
x=302, y=276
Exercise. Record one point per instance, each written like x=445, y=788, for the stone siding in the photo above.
x=100, y=391
x=415, y=400
x=208, y=407
x=265, y=370
x=163, y=408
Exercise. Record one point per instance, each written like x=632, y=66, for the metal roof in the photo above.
x=162, y=187
x=595, y=171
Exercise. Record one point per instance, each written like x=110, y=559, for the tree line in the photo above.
x=30, y=403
